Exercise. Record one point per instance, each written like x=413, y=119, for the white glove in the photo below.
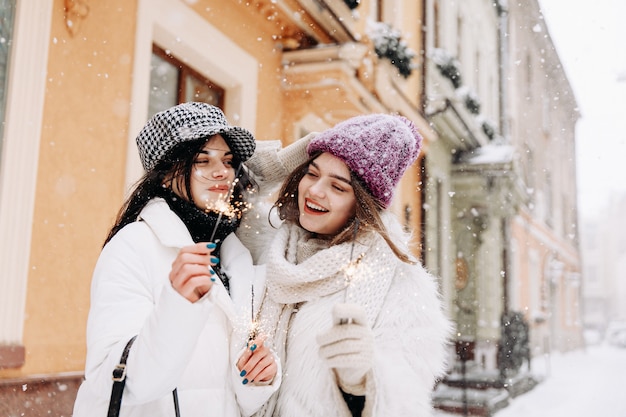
x=348, y=348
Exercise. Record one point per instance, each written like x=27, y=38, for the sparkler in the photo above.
x=224, y=207
x=254, y=325
x=351, y=268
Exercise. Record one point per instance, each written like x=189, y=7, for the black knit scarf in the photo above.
x=202, y=224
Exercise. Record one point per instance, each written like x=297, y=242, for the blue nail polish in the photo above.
x=211, y=271
x=245, y=381
x=215, y=260
x=252, y=348
x=243, y=373
x=212, y=279
x=210, y=245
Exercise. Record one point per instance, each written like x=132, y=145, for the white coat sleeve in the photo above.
x=127, y=299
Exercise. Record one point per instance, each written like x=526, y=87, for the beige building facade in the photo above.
x=80, y=84
x=493, y=214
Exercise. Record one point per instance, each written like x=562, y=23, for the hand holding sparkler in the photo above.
x=192, y=275
x=257, y=363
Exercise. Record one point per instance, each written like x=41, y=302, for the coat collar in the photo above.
x=165, y=224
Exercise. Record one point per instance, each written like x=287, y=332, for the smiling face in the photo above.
x=326, y=198
x=212, y=174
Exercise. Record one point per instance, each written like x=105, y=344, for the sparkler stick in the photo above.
x=354, y=232
x=222, y=206
x=252, y=334
x=350, y=269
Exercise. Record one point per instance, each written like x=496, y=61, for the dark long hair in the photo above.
x=175, y=165
x=368, y=210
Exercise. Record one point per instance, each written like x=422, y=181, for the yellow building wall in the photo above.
x=79, y=181
x=246, y=25
x=82, y=159
x=412, y=21
x=408, y=196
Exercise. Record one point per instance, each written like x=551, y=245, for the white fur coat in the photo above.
x=402, y=304
x=403, y=308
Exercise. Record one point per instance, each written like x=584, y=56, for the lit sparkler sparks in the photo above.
x=223, y=206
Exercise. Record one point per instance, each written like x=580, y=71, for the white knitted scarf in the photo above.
x=301, y=269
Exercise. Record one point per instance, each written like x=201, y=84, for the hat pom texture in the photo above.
x=187, y=122
x=378, y=148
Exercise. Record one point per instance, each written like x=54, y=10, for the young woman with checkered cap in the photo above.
x=173, y=274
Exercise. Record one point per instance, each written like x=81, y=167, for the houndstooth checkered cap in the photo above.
x=190, y=121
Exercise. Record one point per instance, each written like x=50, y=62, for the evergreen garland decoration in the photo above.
x=388, y=44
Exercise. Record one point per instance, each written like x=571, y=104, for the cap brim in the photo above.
x=240, y=141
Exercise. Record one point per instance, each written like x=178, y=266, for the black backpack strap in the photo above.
x=119, y=381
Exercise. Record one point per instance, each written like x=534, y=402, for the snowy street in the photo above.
x=576, y=384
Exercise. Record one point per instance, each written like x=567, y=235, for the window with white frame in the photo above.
x=173, y=82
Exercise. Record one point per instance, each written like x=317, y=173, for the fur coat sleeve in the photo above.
x=412, y=333
x=410, y=347
x=403, y=309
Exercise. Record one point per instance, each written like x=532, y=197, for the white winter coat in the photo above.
x=403, y=309
x=189, y=346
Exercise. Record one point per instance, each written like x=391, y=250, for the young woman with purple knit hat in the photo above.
x=357, y=322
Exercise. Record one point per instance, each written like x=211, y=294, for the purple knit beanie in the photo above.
x=378, y=148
